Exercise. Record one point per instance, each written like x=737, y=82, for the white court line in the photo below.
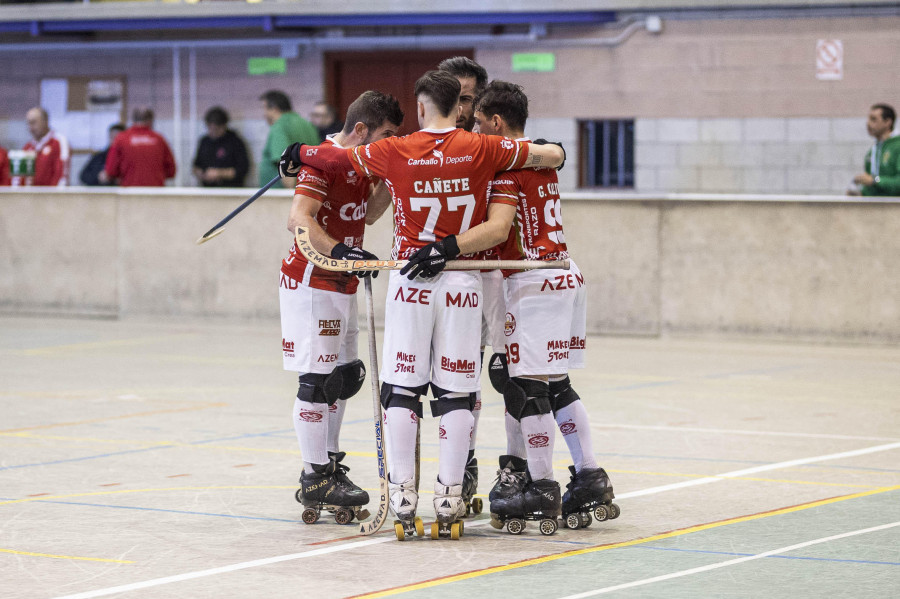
x=731, y=562
x=354, y=545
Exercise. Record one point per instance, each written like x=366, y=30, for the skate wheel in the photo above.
x=586, y=520
x=420, y=527
x=477, y=506
x=299, y=495
x=614, y=511
x=398, y=530
x=362, y=514
x=343, y=516
x=548, y=527
x=462, y=528
x=601, y=513
x=574, y=521
x=515, y=526
x=456, y=531
x=435, y=531
x=309, y=515
x=496, y=523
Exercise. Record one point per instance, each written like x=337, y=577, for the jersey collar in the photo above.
x=447, y=130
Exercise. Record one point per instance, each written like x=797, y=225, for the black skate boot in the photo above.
x=539, y=500
x=588, y=491
x=340, y=472
x=511, y=478
x=474, y=505
x=321, y=490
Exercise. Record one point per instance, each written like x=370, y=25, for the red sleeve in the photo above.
x=372, y=159
x=5, y=175
x=59, y=164
x=326, y=158
x=505, y=190
x=168, y=160
x=112, y=159
x=507, y=154
x=313, y=183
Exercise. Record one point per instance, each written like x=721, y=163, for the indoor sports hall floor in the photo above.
x=143, y=459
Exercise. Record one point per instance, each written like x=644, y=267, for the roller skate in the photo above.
x=340, y=471
x=588, y=497
x=449, y=507
x=511, y=478
x=321, y=489
x=539, y=500
x=474, y=505
x=404, y=499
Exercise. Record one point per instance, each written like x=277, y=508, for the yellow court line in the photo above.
x=574, y=552
x=138, y=415
x=126, y=491
x=43, y=351
x=82, y=559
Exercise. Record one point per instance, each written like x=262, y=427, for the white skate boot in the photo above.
x=449, y=507
x=404, y=499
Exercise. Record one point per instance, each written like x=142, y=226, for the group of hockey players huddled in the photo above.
x=468, y=185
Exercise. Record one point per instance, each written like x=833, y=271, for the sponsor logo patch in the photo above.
x=567, y=428
x=538, y=440
x=309, y=416
x=442, y=433
x=510, y=325
x=329, y=328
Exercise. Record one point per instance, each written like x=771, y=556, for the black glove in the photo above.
x=290, y=164
x=344, y=252
x=431, y=259
x=542, y=141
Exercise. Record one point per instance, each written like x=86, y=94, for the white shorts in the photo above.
x=432, y=331
x=494, y=310
x=319, y=329
x=546, y=312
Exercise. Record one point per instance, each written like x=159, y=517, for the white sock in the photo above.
x=311, y=425
x=539, y=432
x=515, y=443
x=401, y=426
x=335, y=418
x=455, y=431
x=576, y=430
x=476, y=412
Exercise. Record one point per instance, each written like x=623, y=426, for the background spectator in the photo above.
x=285, y=128
x=882, y=162
x=140, y=156
x=93, y=172
x=221, y=159
x=5, y=178
x=324, y=118
x=51, y=162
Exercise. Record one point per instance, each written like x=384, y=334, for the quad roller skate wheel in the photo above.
x=435, y=530
x=548, y=526
x=496, y=523
x=456, y=530
x=398, y=530
x=343, y=516
x=477, y=506
x=420, y=527
x=601, y=513
x=515, y=526
x=309, y=515
x=299, y=495
x=614, y=511
x=574, y=521
x=586, y=520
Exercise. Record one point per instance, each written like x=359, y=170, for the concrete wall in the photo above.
x=788, y=267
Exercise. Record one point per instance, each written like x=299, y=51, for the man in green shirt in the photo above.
x=286, y=127
x=882, y=176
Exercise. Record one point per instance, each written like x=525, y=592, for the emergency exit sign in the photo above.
x=266, y=65
x=542, y=62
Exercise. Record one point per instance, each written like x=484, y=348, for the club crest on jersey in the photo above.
x=507, y=144
x=352, y=177
x=439, y=155
x=510, y=325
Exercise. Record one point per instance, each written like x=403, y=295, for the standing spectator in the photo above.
x=51, y=162
x=5, y=178
x=221, y=159
x=286, y=127
x=140, y=156
x=882, y=162
x=93, y=172
x=324, y=117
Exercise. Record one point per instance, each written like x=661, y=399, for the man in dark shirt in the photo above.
x=324, y=118
x=221, y=159
x=93, y=173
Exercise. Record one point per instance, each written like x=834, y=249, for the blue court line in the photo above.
x=799, y=557
x=152, y=509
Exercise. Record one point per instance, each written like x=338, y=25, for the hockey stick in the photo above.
x=368, y=528
x=221, y=224
x=301, y=237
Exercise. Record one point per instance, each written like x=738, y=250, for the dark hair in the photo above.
x=216, y=116
x=505, y=99
x=142, y=114
x=440, y=87
x=372, y=109
x=116, y=127
x=462, y=66
x=276, y=99
x=887, y=113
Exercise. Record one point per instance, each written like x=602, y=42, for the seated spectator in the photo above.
x=51, y=162
x=324, y=117
x=221, y=159
x=139, y=156
x=5, y=175
x=93, y=172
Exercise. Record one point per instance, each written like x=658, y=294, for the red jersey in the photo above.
x=5, y=178
x=140, y=157
x=51, y=161
x=439, y=180
x=342, y=215
x=537, y=233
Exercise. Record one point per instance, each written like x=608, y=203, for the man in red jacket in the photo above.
x=4, y=167
x=139, y=156
x=52, y=156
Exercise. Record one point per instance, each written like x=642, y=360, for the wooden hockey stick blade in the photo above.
x=219, y=226
x=381, y=514
x=301, y=237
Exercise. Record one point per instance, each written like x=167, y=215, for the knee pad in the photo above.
x=319, y=388
x=526, y=397
x=352, y=376
x=562, y=394
x=498, y=372
x=391, y=399
x=443, y=404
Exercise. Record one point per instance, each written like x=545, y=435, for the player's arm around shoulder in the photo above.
x=378, y=201
x=491, y=232
x=544, y=154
